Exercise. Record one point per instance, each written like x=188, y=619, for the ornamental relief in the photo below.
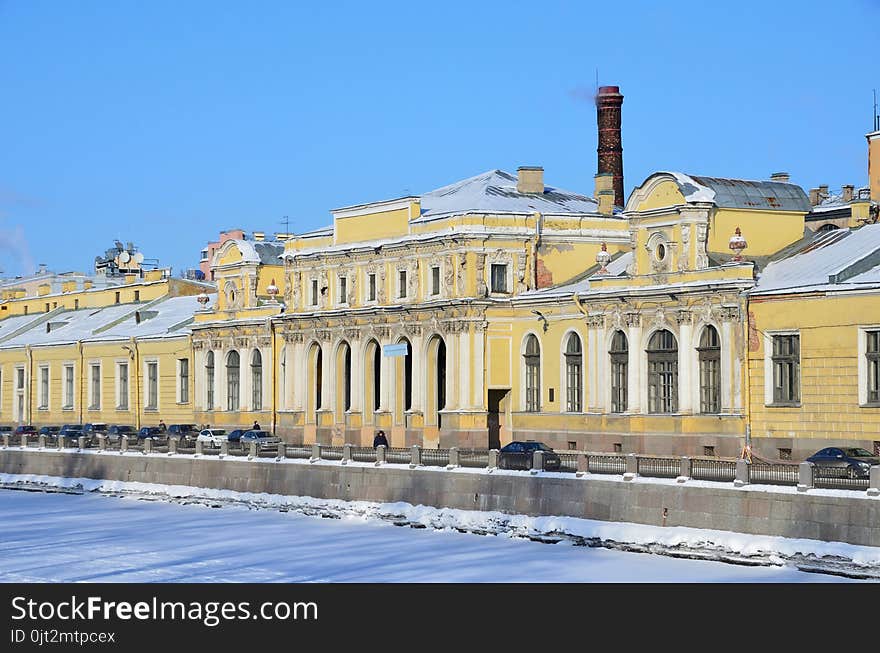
x=461, y=275
x=632, y=319
x=685, y=247
x=482, y=290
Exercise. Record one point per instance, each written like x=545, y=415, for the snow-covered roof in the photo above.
x=835, y=202
x=495, y=190
x=161, y=318
x=741, y=193
x=258, y=251
x=838, y=257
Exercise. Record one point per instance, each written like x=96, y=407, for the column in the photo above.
x=418, y=373
x=729, y=384
x=686, y=353
x=464, y=367
x=637, y=390
x=478, y=392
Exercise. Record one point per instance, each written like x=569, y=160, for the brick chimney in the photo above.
x=610, y=150
x=530, y=179
x=848, y=192
x=814, y=196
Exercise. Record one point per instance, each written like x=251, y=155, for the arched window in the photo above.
x=346, y=374
x=574, y=360
x=828, y=227
x=377, y=377
x=233, y=368
x=710, y=371
x=662, y=373
x=532, y=359
x=256, y=380
x=209, y=380
x=619, y=372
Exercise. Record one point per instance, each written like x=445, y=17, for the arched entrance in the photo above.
x=372, y=381
x=435, y=381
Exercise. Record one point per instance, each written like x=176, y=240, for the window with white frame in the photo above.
x=435, y=280
x=183, y=380
x=44, y=388
x=343, y=290
x=786, y=366
x=314, y=292
x=152, y=386
x=532, y=362
x=872, y=366
x=122, y=386
x=574, y=363
x=709, y=353
x=662, y=373
x=619, y=355
x=209, y=381
x=256, y=380
x=371, y=287
x=499, y=277
x=95, y=386
x=68, y=387
x=401, y=284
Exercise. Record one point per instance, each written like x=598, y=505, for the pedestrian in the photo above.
x=162, y=425
x=380, y=439
x=256, y=426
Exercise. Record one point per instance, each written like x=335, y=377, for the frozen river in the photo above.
x=92, y=537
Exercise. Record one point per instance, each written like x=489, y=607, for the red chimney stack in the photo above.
x=608, y=103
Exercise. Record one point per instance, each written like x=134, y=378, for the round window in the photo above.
x=661, y=252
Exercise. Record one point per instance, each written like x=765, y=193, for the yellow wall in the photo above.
x=374, y=226
x=829, y=353
x=766, y=232
x=666, y=193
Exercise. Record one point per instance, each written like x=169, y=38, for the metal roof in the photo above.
x=742, y=193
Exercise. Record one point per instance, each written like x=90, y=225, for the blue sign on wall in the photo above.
x=395, y=350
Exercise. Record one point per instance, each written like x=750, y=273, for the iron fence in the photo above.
x=514, y=460
x=238, y=451
x=298, y=451
x=331, y=453
x=602, y=464
x=363, y=454
x=838, y=478
x=773, y=474
x=659, y=467
x=400, y=455
x=186, y=450
x=435, y=457
x=709, y=469
x=568, y=462
x=473, y=458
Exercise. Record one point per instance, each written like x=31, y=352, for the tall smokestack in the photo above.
x=608, y=103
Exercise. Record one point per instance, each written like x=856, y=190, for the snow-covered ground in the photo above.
x=134, y=532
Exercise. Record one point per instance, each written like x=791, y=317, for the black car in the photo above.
x=150, y=433
x=93, y=430
x=235, y=436
x=519, y=455
x=72, y=430
x=49, y=431
x=183, y=432
x=118, y=431
x=849, y=462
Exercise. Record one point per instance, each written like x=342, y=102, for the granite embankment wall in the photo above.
x=842, y=516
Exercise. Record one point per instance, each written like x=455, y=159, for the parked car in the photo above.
x=93, y=430
x=235, y=435
x=150, y=433
x=849, y=462
x=519, y=455
x=182, y=432
x=118, y=431
x=49, y=431
x=5, y=429
x=264, y=440
x=25, y=428
x=212, y=437
x=72, y=430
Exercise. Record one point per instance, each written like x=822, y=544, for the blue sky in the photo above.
x=164, y=122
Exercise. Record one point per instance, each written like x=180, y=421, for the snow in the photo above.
x=162, y=533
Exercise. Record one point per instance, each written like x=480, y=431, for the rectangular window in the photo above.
x=137, y=295
x=44, y=388
x=314, y=292
x=96, y=387
x=619, y=365
x=19, y=379
x=401, y=283
x=786, y=370
x=573, y=384
x=76, y=304
x=117, y=297
x=872, y=353
x=152, y=386
x=662, y=385
x=122, y=393
x=371, y=295
x=68, y=386
x=435, y=280
x=499, y=277
x=184, y=380
x=343, y=290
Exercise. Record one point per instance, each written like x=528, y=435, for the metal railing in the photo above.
x=705, y=469
x=773, y=474
x=600, y=464
x=838, y=478
x=659, y=467
x=435, y=457
x=710, y=469
x=473, y=458
x=399, y=455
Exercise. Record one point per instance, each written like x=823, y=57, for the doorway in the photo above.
x=497, y=409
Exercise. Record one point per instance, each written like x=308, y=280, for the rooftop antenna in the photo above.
x=286, y=223
x=876, y=116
